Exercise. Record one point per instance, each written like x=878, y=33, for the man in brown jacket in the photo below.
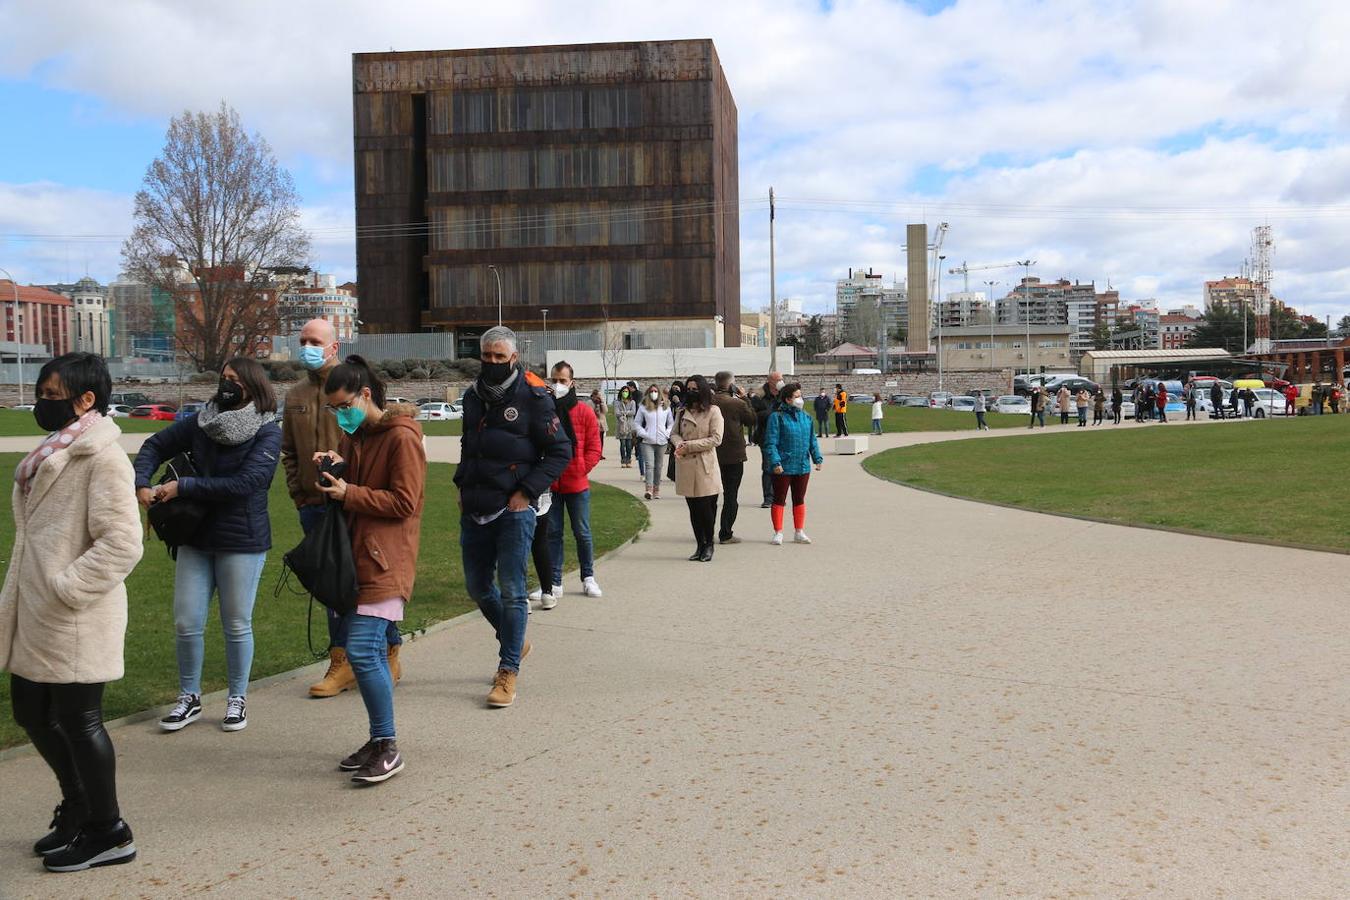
x=737, y=416
x=308, y=428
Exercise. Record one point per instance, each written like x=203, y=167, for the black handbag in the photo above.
x=177, y=521
x=323, y=562
x=670, y=449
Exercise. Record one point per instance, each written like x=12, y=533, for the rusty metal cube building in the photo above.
x=599, y=179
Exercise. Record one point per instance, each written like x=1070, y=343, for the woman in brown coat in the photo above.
x=381, y=489
x=698, y=478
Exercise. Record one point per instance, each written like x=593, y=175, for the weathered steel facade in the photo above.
x=599, y=179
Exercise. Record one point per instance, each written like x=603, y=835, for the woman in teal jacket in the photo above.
x=790, y=446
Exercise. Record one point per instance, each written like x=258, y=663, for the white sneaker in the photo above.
x=547, y=601
x=777, y=539
x=590, y=588
x=536, y=595
x=800, y=537
x=557, y=592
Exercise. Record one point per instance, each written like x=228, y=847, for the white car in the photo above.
x=439, y=412
x=939, y=399
x=963, y=404
x=1012, y=404
x=119, y=411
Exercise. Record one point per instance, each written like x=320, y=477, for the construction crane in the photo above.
x=965, y=269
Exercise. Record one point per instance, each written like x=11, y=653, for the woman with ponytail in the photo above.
x=381, y=487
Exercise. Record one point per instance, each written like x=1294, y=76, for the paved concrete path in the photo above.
x=917, y=704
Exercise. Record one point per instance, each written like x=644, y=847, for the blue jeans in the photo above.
x=876, y=426
x=579, y=511
x=625, y=450
x=198, y=575
x=495, y=557
x=368, y=653
x=653, y=460
x=310, y=516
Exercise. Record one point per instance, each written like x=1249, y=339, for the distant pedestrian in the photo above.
x=652, y=426
x=1335, y=399
x=1162, y=403
x=981, y=406
x=676, y=397
x=698, y=479
x=738, y=420
x=1098, y=407
x=1216, y=398
x=1248, y=401
x=1038, y=400
x=601, y=417
x=1117, y=404
x=1233, y=399
x=792, y=448
x=1063, y=398
x=1190, y=396
x=1290, y=399
x=764, y=404
x=625, y=411
x=1318, y=398
x=1081, y=401
x=822, y=407
x=877, y=414
x=840, y=411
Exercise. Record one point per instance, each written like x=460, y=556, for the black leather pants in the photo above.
x=65, y=724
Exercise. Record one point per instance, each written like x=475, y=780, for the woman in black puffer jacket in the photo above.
x=236, y=442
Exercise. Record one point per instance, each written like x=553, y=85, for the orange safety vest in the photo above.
x=841, y=402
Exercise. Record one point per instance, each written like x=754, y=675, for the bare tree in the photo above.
x=611, y=349
x=865, y=323
x=214, y=214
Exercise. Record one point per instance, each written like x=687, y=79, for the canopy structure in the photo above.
x=1253, y=383
x=849, y=352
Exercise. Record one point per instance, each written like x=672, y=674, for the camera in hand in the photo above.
x=331, y=468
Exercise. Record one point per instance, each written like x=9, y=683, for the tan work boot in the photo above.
x=503, y=691
x=395, y=667
x=339, y=677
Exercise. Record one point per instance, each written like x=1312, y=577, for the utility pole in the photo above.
x=545, y=312
x=990, y=285
x=773, y=296
x=18, y=334
x=493, y=270
x=1026, y=265
x=939, y=314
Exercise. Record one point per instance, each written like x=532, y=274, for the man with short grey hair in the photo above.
x=738, y=417
x=513, y=447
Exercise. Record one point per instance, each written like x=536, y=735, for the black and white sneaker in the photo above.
x=382, y=763
x=67, y=820
x=187, y=710
x=236, y=715
x=94, y=847
x=357, y=759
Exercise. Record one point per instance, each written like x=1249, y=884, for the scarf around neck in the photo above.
x=53, y=444
x=493, y=394
x=232, y=427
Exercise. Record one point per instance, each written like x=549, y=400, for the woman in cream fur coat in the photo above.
x=63, y=609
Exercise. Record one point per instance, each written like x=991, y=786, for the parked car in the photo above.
x=438, y=412
x=916, y=402
x=1073, y=382
x=118, y=411
x=390, y=401
x=899, y=399
x=133, y=399
x=23, y=407
x=962, y=404
x=188, y=409
x=1012, y=404
x=159, y=412
x=939, y=399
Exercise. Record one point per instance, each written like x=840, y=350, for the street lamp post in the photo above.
x=545, y=312
x=18, y=333
x=1026, y=265
x=939, y=315
x=493, y=270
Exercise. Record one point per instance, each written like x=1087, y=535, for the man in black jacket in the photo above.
x=822, y=407
x=763, y=404
x=737, y=418
x=512, y=449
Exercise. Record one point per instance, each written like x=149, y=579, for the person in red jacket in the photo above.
x=572, y=490
x=1162, y=403
x=1290, y=399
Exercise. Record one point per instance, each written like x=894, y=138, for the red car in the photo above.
x=159, y=412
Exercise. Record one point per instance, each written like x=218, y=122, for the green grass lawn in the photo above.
x=20, y=423
x=279, y=621
x=1273, y=480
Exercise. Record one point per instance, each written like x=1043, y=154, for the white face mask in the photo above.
x=654, y=396
x=561, y=390
x=778, y=386
x=798, y=402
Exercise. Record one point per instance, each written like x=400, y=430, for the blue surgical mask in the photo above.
x=350, y=419
x=311, y=357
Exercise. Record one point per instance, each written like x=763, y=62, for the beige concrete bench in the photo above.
x=850, y=446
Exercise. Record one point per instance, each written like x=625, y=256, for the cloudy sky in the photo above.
x=1130, y=142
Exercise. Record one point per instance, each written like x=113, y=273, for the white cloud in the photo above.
x=1066, y=101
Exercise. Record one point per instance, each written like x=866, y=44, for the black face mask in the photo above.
x=228, y=394
x=53, y=415
x=495, y=373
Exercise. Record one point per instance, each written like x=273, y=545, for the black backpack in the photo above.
x=323, y=562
